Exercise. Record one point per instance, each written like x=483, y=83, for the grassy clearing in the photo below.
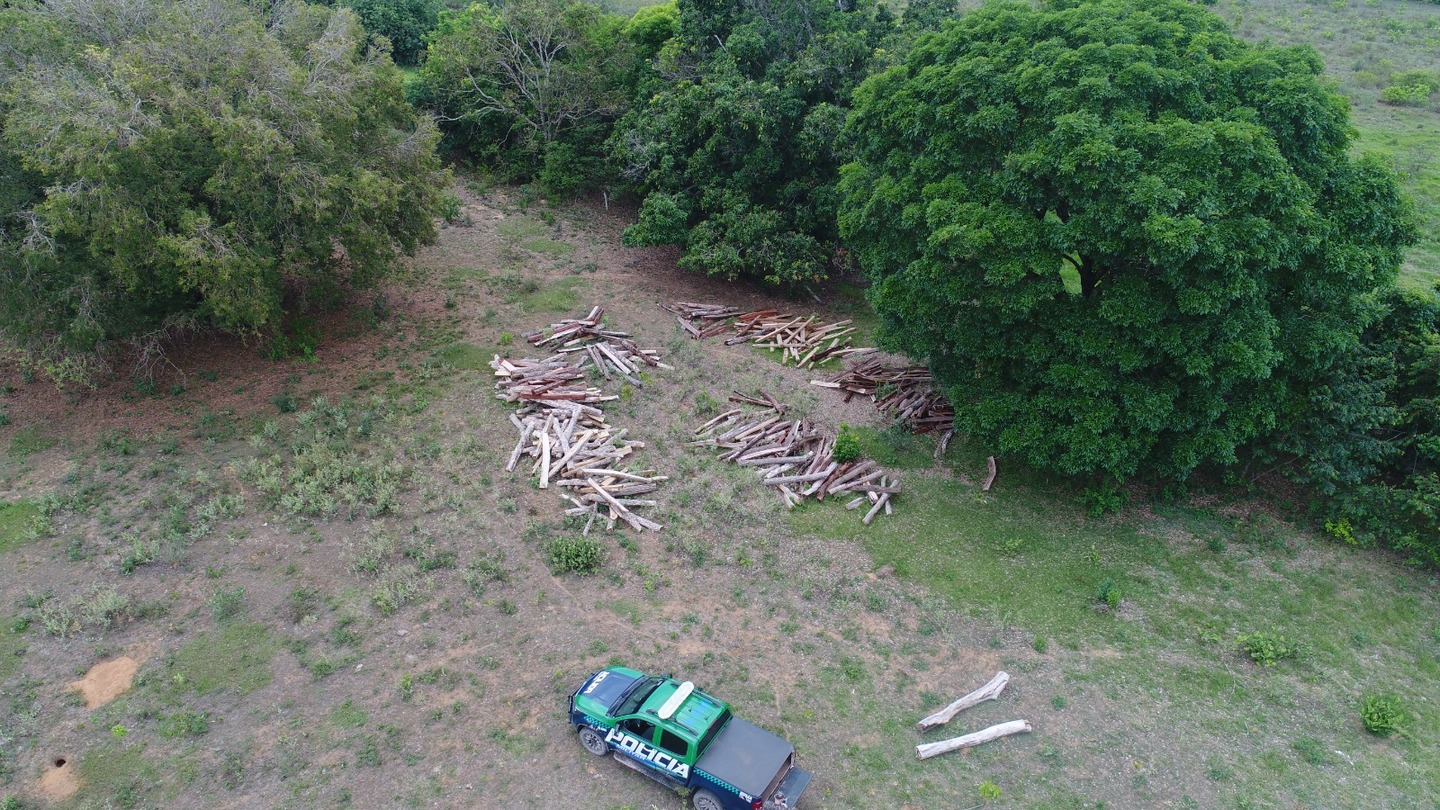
x=12, y=645
x=235, y=658
x=1183, y=599
x=521, y=228
x=895, y=448
x=117, y=775
x=19, y=523
x=311, y=649
x=549, y=247
x=560, y=296
x=30, y=439
x=1411, y=139
x=465, y=357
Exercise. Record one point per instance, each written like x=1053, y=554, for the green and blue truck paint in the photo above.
x=686, y=740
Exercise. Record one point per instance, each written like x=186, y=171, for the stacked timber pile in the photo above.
x=907, y=393
x=794, y=456
x=573, y=447
x=610, y=350
x=714, y=318
x=807, y=341
x=547, y=382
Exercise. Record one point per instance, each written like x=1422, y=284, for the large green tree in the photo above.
x=736, y=144
x=196, y=164
x=1126, y=241
x=531, y=87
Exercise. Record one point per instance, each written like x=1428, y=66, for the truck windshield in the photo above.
x=631, y=698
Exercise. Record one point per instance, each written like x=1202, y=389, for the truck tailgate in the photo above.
x=792, y=786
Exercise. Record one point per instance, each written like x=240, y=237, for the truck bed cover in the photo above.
x=746, y=756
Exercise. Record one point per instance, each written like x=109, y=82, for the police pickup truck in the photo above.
x=686, y=740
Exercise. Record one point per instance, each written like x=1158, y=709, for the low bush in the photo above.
x=1109, y=594
x=575, y=555
x=185, y=724
x=847, y=445
x=1268, y=649
x=1382, y=714
x=226, y=605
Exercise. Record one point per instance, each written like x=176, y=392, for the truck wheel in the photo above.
x=705, y=800
x=591, y=741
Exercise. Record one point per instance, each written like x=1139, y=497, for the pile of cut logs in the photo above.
x=794, y=456
x=610, y=350
x=572, y=445
x=907, y=393
x=715, y=318
x=807, y=341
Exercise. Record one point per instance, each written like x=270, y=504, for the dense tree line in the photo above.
x=1130, y=245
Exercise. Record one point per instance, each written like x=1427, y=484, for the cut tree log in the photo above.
x=989, y=691
x=928, y=750
x=990, y=479
x=944, y=443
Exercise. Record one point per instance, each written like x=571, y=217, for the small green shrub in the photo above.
x=989, y=791
x=1109, y=594
x=396, y=586
x=451, y=206
x=705, y=405
x=847, y=445
x=1268, y=649
x=484, y=570
x=1408, y=95
x=1382, y=714
x=572, y=554
x=100, y=606
x=1103, y=499
x=185, y=724
x=226, y=605
x=138, y=551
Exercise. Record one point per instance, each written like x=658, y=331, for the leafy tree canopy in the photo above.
x=531, y=86
x=404, y=22
x=1397, y=503
x=735, y=147
x=1126, y=241
x=188, y=163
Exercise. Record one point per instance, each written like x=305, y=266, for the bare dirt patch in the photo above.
x=59, y=782
x=107, y=680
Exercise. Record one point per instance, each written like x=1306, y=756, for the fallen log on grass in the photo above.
x=928, y=750
x=989, y=691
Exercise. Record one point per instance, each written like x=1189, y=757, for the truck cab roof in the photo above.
x=617, y=693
